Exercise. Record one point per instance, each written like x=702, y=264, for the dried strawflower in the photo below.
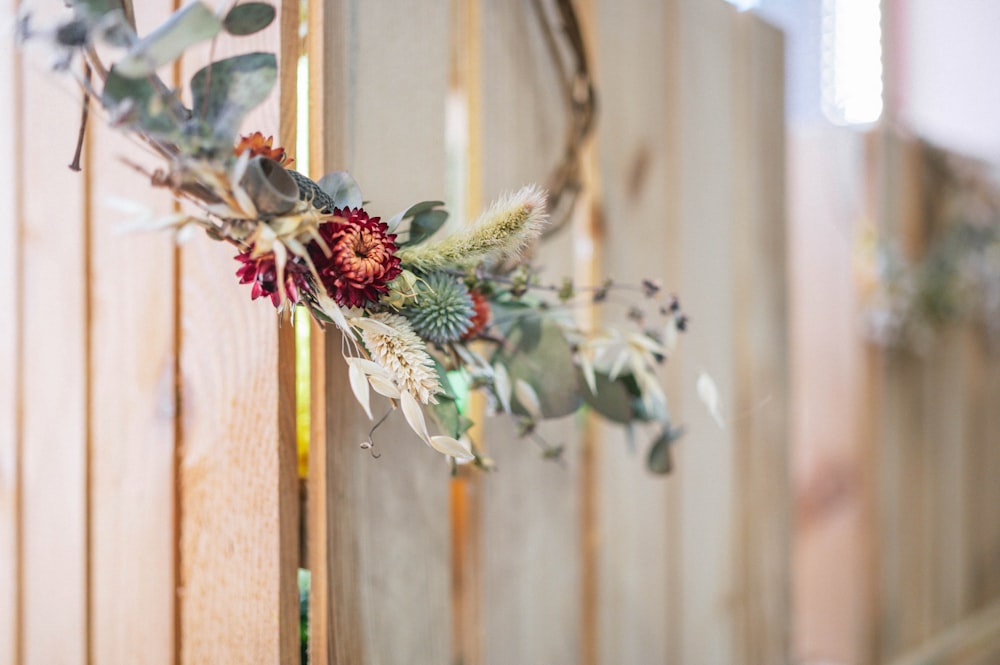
x=480, y=317
x=362, y=259
x=262, y=147
x=262, y=272
x=443, y=309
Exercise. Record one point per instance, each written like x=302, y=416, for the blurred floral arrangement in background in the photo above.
x=426, y=314
x=955, y=275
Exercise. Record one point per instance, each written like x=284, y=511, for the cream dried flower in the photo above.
x=500, y=233
x=393, y=345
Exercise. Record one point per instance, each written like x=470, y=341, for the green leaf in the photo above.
x=613, y=399
x=426, y=218
x=342, y=188
x=248, y=18
x=423, y=206
x=187, y=26
x=538, y=353
x=95, y=7
x=237, y=85
x=136, y=103
x=449, y=418
x=425, y=225
x=660, y=459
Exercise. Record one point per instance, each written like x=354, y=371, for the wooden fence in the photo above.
x=150, y=510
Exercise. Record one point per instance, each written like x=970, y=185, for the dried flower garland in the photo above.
x=425, y=315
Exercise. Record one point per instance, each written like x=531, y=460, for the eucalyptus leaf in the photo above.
x=187, y=26
x=95, y=7
x=342, y=188
x=538, y=354
x=136, y=103
x=660, y=459
x=248, y=18
x=449, y=417
x=234, y=87
x=425, y=224
x=421, y=207
x=613, y=399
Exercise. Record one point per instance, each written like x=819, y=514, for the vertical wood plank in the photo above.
x=53, y=331
x=708, y=517
x=379, y=529
x=238, y=486
x=637, y=596
x=760, y=322
x=10, y=355
x=530, y=507
x=132, y=408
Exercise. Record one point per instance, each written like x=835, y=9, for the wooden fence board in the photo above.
x=238, y=492
x=530, y=507
x=132, y=408
x=760, y=324
x=10, y=368
x=636, y=59
x=707, y=210
x=379, y=529
x=55, y=351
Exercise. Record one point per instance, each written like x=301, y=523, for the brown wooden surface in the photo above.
x=761, y=364
x=132, y=407
x=10, y=358
x=636, y=55
x=54, y=343
x=530, y=508
x=238, y=491
x=379, y=529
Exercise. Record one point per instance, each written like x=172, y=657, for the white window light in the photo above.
x=852, y=61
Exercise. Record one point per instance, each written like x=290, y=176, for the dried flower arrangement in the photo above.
x=956, y=276
x=425, y=314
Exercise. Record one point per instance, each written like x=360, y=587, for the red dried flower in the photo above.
x=481, y=317
x=262, y=272
x=362, y=258
x=261, y=147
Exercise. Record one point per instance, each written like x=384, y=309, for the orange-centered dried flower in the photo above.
x=480, y=317
x=362, y=258
x=262, y=147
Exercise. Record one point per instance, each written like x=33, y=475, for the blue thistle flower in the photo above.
x=443, y=309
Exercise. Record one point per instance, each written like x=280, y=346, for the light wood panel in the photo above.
x=531, y=574
x=238, y=488
x=707, y=181
x=132, y=406
x=379, y=529
x=636, y=56
x=10, y=368
x=54, y=425
x=761, y=362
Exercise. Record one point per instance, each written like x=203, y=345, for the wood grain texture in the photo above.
x=708, y=513
x=379, y=534
x=530, y=507
x=761, y=363
x=238, y=488
x=132, y=407
x=10, y=356
x=638, y=598
x=53, y=331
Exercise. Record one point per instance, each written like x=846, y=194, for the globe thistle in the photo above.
x=392, y=344
x=443, y=309
x=362, y=259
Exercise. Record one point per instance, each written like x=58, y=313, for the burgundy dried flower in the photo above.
x=262, y=272
x=362, y=258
